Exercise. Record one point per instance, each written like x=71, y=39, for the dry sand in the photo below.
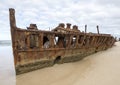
x=102, y=68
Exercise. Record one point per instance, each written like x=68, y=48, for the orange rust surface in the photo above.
x=32, y=45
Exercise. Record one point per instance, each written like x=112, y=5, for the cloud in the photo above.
x=46, y=13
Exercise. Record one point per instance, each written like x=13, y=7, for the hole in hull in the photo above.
x=57, y=59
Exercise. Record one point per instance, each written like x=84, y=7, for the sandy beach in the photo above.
x=102, y=68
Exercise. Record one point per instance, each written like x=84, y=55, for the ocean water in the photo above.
x=7, y=71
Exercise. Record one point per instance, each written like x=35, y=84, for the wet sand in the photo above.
x=7, y=72
x=102, y=68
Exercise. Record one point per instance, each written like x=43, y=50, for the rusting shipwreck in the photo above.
x=34, y=49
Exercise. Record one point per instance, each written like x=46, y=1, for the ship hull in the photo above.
x=34, y=49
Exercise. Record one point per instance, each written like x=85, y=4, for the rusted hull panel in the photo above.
x=69, y=56
x=34, y=49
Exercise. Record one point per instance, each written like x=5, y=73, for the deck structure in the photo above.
x=34, y=49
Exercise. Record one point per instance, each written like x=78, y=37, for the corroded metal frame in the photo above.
x=72, y=45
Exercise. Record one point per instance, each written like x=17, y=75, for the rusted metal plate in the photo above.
x=34, y=49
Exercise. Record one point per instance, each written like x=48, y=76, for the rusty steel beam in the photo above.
x=98, y=29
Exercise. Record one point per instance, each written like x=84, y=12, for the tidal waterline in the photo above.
x=7, y=71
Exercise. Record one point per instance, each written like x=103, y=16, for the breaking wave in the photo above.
x=5, y=43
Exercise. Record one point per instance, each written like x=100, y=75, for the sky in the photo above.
x=49, y=13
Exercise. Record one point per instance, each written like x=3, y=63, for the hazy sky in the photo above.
x=48, y=13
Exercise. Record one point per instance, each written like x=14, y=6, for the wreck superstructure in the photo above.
x=34, y=49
